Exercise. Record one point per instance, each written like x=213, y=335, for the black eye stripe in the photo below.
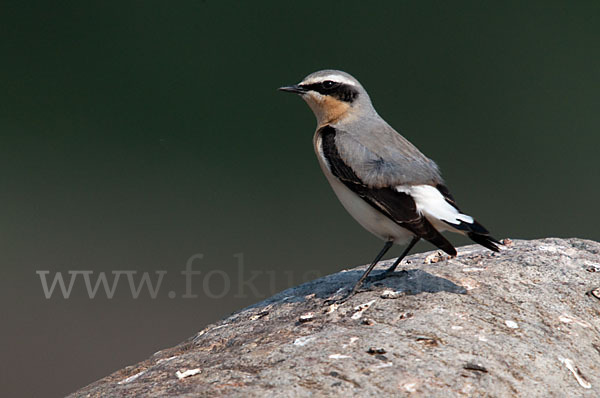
x=341, y=91
x=321, y=87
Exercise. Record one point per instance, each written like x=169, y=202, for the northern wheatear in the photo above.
x=383, y=181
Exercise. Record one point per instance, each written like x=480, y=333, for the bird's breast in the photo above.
x=368, y=217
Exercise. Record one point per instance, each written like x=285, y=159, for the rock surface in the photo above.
x=524, y=322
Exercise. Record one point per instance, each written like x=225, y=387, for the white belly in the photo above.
x=367, y=216
x=371, y=219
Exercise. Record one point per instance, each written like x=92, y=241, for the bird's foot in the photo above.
x=342, y=297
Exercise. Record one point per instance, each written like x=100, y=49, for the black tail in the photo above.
x=485, y=240
x=474, y=230
x=429, y=233
x=442, y=243
x=478, y=234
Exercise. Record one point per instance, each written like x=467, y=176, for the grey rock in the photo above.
x=519, y=323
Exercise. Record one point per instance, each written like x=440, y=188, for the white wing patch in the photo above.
x=432, y=204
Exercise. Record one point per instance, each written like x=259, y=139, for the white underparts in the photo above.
x=432, y=204
x=370, y=218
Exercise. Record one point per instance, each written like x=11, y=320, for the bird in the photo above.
x=392, y=189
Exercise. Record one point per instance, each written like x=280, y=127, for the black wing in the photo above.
x=397, y=206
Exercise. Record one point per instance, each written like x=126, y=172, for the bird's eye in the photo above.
x=328, y=84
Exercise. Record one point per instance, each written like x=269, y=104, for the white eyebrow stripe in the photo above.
x=335, y=78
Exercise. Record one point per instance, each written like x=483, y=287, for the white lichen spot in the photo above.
x=469, y=284
x=456, y=327
x=565, y=318
x=218, y=327
x=576, y=372
x=187, y=373
x=304, y=340
x=434, y=257
x=166, y=359
x=550, y=249
x=309, y=316
x=410, y=387
x=361, y=308
x=390, y=294
x=511, y=324
x=460, y=315
x=332, y=308
x=133, y=377
x=473, y=269
x=353, y=340
x=339, y=356
x=383, y=365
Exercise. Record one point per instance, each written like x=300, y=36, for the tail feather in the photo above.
x=442, y=243
x=485, y=240
x=478, y=234
x=428, y=232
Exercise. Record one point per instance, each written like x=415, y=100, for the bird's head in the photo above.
x=334, y=96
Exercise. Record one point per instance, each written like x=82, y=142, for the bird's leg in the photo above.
x=386, y=247
x=412, y=243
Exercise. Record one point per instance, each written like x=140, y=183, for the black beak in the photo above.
x=297, y=89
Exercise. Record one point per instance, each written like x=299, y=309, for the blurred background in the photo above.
x=137, y=134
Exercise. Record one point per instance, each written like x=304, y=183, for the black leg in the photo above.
x=387, y=246
x=412, y=243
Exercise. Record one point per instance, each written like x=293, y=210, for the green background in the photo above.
x=136, y=134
